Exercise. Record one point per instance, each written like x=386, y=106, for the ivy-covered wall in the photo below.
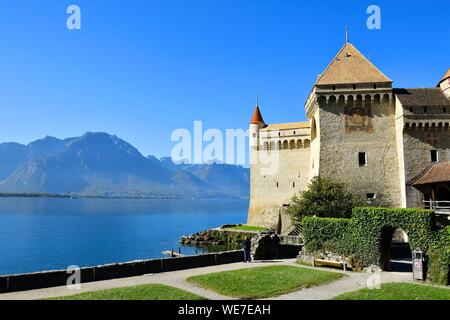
x=367, y=236
x=439, y=255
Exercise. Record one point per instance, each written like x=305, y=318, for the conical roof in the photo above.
x=257, y=117
x=350, y=67
x=445, y=77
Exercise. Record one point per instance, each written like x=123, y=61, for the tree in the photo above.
x=324, y=198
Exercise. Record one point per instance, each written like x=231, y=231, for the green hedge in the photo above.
x=371, y=225
x=366, y=234
x=439, y=255
x=326, y=234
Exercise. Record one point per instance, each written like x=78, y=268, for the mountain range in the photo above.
x=103, y=165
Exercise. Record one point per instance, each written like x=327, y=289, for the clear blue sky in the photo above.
x=140, y=69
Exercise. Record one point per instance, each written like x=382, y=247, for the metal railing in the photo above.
x=440, y=207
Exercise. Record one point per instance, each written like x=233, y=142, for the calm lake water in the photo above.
x=39, y=234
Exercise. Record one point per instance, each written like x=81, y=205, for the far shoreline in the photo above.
x=76, y=196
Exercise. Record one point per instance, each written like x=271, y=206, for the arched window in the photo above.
x=307, y=143
x=377, y=99
x=292, y=144
x=332, y=100
x=368, y=100
x=285, y=144
x=299, y=144
x=313, y=129
x=386, y=99
x=279, y=145
x=322, y=101
x=359, y=100
x=272, y=145
x=350, y=100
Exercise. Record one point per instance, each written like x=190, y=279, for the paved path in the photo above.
x=352, y=281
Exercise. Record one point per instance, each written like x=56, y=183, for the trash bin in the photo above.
x=418, y=264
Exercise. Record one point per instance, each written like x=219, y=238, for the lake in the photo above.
x=39, y=234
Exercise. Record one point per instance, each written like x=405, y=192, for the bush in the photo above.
x=326, y=234
x=324, y=198
x=439, y=256
x=365, y=236
x=371, y=226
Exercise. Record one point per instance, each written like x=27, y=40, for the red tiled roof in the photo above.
x=434, y=173
x=257, y=117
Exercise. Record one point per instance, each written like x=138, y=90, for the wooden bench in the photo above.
x=330, y=263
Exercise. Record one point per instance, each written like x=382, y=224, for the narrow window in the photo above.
x=375, y=86
x=334, y=88
x=354, y=87
x=371, y=196
x=444, y=110
x=411, y=110
x=293, y=184
x=362, y=158
x=425, y=109
x=434, y=156
x=277, y=185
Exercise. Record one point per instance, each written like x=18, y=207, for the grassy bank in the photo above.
x=263, y=282
x=142, y=292
x=399, y=291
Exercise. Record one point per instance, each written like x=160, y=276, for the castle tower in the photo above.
x=256, y=124
x=444, y=84
x=352, y=114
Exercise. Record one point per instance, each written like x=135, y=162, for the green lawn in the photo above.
x=399, y=291
x=142, y=292
x=247, y=228
x=263, y=282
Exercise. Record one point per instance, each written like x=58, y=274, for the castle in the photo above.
x=389, y=146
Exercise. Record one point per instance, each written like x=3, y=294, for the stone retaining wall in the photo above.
x=39, y=280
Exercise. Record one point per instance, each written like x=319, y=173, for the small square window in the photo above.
x=362, y=158
x=434, y=156
x=371, y=196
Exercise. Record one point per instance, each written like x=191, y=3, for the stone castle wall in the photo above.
x=340, y=148
x=269, y=191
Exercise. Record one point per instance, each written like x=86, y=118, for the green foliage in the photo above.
x=398, y=291
x=324, y=198
x=326, y=234
x=141, y=292
x=365, y=236
x=246, y=228
x=439, y=255
x=373, y=226
x=263, y=282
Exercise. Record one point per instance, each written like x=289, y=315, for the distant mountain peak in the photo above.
x=101, y=164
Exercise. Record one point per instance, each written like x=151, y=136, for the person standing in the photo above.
x=247, y=248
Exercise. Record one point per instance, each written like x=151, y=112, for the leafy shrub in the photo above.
x=439, y=256
x=364, y=236
x=324, y=198
x=326, y=234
